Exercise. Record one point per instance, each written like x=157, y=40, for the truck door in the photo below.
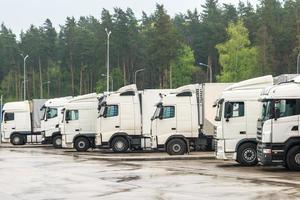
x=286, y=122
x=234, y=124
x=110, y=121
x=9, y=124
x=71, y=124
x=165, y=124
x=50, y=121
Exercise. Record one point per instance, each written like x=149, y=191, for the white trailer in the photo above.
x=237, y=115
x=52, y=117
x=22, y=122
x=278, y=133
x=184, y=120
x=79, y=121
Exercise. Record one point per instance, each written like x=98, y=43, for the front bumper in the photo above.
x=270, y=155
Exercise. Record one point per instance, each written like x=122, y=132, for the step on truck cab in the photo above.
x=237, y=115
x=278, y=128
x=125, y=118
x=78, y=127
x=51, y=118
x=184, y=120
x=21, y=122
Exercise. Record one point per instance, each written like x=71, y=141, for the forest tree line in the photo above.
x=238, y=42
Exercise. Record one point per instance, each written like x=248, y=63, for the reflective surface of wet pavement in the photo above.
x=49, y=174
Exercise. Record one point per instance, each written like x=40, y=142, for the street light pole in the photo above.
x=107, y=59
x=24, y=62
x=112, y=81
x=298, y=63
x=135, y=74
x=209, y=67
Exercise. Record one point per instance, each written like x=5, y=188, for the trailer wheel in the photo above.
x=293, y=158
x=176, y=147
x=247, y=154
x=57, y=141
x=17, y=139
x=120, y=144
x=82, y=144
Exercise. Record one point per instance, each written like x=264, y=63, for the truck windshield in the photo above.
x=157, y=112
x=266, y=110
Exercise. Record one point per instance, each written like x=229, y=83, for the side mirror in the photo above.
x=160, y=117
x=228, y=111
x=276, y=113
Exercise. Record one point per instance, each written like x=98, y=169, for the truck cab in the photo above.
x=184, y=120
x=278, y=127
x=78, y=127
x=236, y=117
x=21, y=122
x=15, y=120
x=119, y=120
x=52, y=117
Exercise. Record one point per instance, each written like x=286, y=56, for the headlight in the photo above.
x=267, y=151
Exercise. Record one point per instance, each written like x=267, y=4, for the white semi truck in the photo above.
x=22, y=122
x=52, y=117
x=79, y=121
x=237, y=115
x=153, y=119
x=278, y=128
x=184, y=120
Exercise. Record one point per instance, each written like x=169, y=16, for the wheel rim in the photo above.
x=58, y=141
x=81, y=144
x=17, y=140
x=176, y=148
x=249, y=155
x=297, y=158
x=119, y=145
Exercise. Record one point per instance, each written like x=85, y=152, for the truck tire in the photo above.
x=247, y=154
x=176, y=147
x=17, y=139
x=293, y=158
x=120, y=144
x=82, y=144
x=57, y=141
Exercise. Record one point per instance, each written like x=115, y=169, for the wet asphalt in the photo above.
x=49, y=174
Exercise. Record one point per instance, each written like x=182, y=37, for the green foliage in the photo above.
x=74, y=57
x=237, y=58
x=183, y=67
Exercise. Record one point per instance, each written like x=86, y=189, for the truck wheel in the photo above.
x=247, y=154
x=57, y=141
x=17, y=139
x=82, y=144
x=176, y=147
x=120, y=144
x=293, y=158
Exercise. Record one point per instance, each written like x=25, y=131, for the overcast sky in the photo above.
x=19, y=14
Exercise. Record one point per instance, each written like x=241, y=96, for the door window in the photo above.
x=51, y=113
x=286, y=107
x=9, y=117
x=234, y=109
x=72, y=115
x=168, y=112
x=112, y=110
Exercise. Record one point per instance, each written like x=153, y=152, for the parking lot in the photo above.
x=33, y=172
